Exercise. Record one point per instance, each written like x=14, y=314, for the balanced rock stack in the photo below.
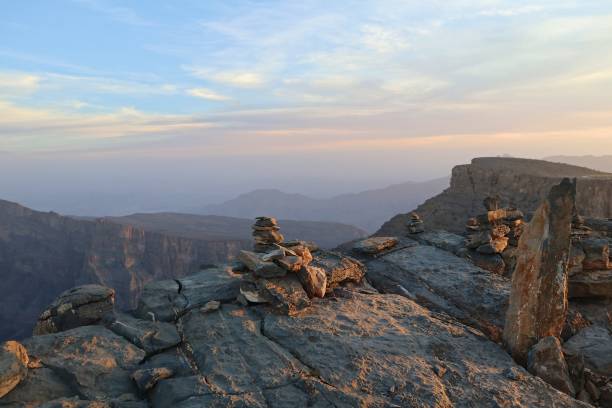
x=265, y=234
x=415, y=225
x=494, y=231
x=287, y=274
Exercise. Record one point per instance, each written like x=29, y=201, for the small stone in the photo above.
x=314, y=281
x=514, y=374
x=210, y=306
x=546, y=360
x=303, y=252
x=290, y=263
x=495, y=246
x=266, y=222
x=269, y=270
x=252, y=294
x=147, y=379
x=440, y=370
x=592, y=390
x=273, y=255
x=287, y=293
x=250, y=259
x=375, y=245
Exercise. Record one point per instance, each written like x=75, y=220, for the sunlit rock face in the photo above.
x=538, y=298
x=520, y=183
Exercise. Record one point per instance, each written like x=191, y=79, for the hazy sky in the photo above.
x=219, y=97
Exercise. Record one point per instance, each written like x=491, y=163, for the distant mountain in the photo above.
x=44, y=253
x=601, y=163
x=213, y=227
x=367, y=209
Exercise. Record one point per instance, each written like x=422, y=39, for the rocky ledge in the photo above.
x=397, y=321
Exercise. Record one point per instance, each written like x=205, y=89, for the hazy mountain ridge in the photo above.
x=601, y=163
x=367, y=209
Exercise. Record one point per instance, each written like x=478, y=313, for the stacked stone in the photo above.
x=415, y=225
x=265, y=234
x=494, y=231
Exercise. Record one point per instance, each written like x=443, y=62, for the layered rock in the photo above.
x=538, y=299
x=520, y=183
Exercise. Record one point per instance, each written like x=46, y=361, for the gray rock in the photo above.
x=97, y=361
x=383, y=350
x=40, y=385
x=444, y=240
x=448, y=283
x=250, y=259
x=146, y=379
x=546, y=360
x=79, y=306
x=13, y=366
x=269, y=270
x=339, y=268
x=594, y=343
x=168, y=300
x=375, y=245
x=286, y=293
x=591, y=284
x=152, y=337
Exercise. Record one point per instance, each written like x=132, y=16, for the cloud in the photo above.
x=117, y=13
x=241, y=79
x=205, y=93
x=512, y=11
x=382, y=40
x=17, y=83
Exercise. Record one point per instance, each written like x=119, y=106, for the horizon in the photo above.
x=169, y=107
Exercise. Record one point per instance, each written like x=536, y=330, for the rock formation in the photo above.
x=519, y=183
x=538, y=298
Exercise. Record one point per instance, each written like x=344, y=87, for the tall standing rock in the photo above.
x=538, y=298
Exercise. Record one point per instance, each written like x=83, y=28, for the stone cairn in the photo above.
x=281, y=273
x=266, y=234
x=492, y=232
x=415, y=225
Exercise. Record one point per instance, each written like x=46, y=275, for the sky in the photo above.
x=171, y=104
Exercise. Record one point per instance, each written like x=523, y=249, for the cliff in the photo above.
x=520, y=183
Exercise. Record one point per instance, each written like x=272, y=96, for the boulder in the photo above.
x=168, y=300
x=594, y=344
x=287, y=293
x=546, y=360
x=79, y=306
x=146, y=379
x=339, y=268
x=597, y=254
x=13, y=366
x=538, y=298
x=591, y=284
x=150, y=336
x=97, y=361
x=314, y=281
x=375, y=245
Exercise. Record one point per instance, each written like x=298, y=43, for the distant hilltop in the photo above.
x=521, y=183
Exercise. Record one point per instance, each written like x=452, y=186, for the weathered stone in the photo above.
x=287, y=293
x=210, y=306
x=442, y=239
x=269, y=270
x=500, y=231
x=574, y=322
x=509, y=257
x=97, y=361
x=476, y=240
x=492, y=203
x=13, y=366
x=303, y=252
x=491, y=262
x=268, y=236
x=266, y=222
x=275, y=254
x=250, y=259
x=338, y=268
x=79, y=306
x=547, y=362
x=146, y=379
x=494, y=246
x=591, y=284
x=538, y=300
x=251, y=293
x=597, y=254
x=290, y=263
x=40, y=385
x=314, y=281
x=375, y=245
x=150, y=336
x=168, y=300
x=594, y=343
x=576, y=259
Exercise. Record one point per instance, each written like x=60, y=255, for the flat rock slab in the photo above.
x=594, y=343
x=79, y=306
x=375, y=245
x=591, y=284
x=152, y=337
x=230, y=350
x=442, y=239
x=168, y=300
x=97, y=361
x=338, y=268
x=385, y=350
x=466, y=291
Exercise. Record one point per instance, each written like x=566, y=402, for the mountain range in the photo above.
x=601, y=163
x=367, y=209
